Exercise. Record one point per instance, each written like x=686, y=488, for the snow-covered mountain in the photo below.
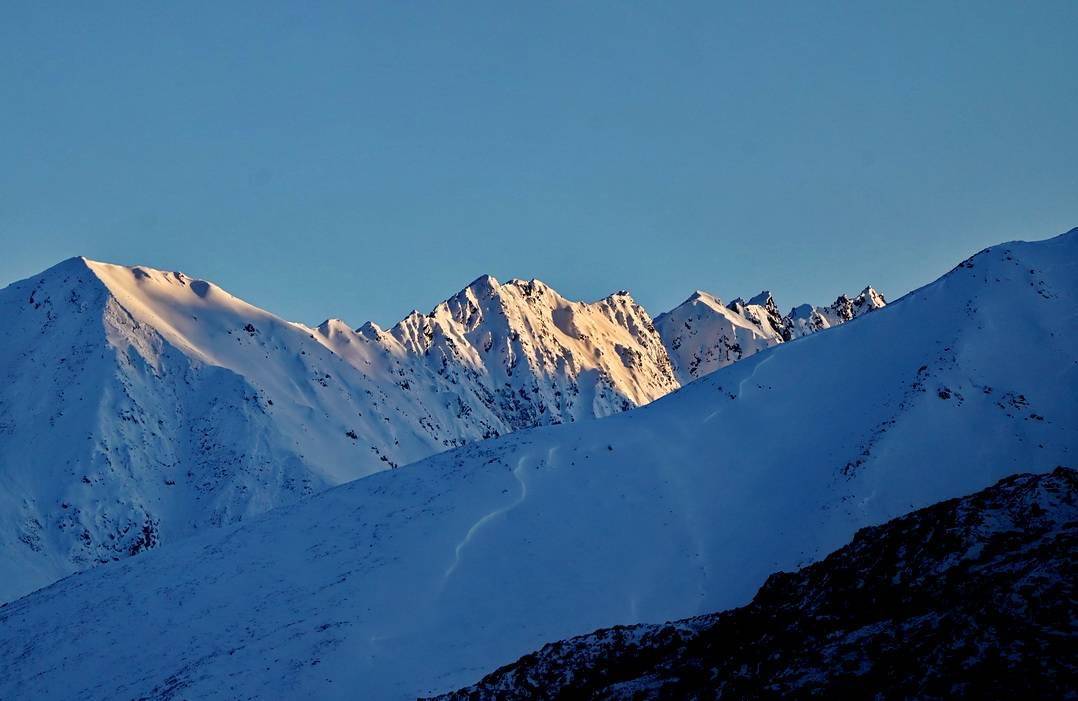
x=806, y=319
x=139, y=406
x=421, y=580
x=702, y=334
x=533, y=357
x=934, y=605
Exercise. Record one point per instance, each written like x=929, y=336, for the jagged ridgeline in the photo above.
x=702, y=334
x=140, y=406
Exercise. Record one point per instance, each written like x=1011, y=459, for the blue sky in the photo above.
x=361, y=159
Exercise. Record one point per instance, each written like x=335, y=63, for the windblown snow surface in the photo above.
x=421, y=580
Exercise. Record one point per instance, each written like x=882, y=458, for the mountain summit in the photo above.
x=533, y=357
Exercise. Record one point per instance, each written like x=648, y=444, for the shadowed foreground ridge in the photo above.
x=970, y=597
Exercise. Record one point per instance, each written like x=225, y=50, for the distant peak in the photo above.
x=871, y=293
x=701, y=296
x=76, y=266
x=762, y=299
x=531, y=287
x=72, y=263
x=332, y=326
x=869, y=299
x=370, y=329
x=483, y=282
x=520, y=282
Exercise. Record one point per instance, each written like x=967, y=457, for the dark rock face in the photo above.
x=970, y=598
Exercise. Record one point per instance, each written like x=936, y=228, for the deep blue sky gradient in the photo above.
x=361, y=159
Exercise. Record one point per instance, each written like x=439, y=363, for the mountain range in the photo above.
x=702, y=334
x=421, y=580
x=141, y=406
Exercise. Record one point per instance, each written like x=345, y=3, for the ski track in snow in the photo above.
x=550, y=453
x=518, y=473
x=741, y=385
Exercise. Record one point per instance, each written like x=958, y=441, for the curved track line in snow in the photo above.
x=741, y=385
x=518, y=473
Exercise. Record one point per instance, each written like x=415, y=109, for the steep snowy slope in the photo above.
x=702, y=335
x=970, y=598
x=139, y=406
x=421, y=580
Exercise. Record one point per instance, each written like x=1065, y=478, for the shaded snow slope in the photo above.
x=420, y=580
x=702, y=334
x=139, y=406
x=970, y=598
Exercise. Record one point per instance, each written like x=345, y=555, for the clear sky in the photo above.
x=361, y=159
